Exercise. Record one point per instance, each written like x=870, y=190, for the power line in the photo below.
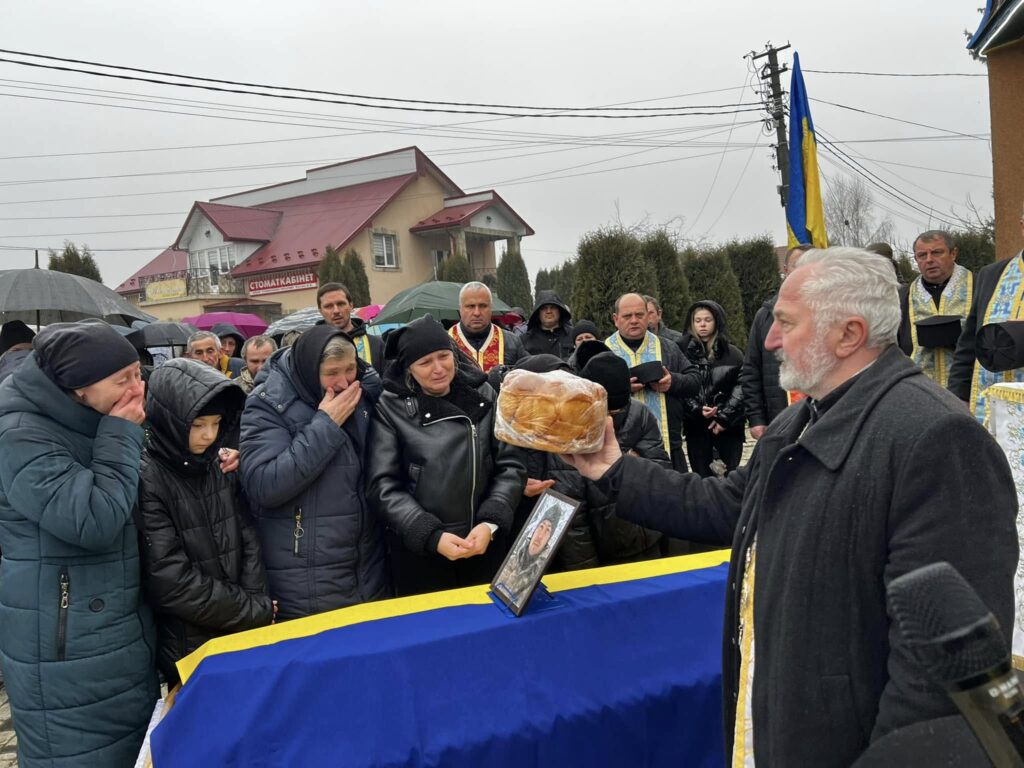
x=884, y=186
x=314, y=91
x=894, y=74
x=897, y=119
x=671, y=111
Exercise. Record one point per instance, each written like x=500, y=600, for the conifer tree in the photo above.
x=673, y=287
x=711, y=277
x=358, y=283
x=513, y=281
x=610, y=263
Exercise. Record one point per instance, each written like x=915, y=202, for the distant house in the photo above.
x=259, y=250
x=1000, y=39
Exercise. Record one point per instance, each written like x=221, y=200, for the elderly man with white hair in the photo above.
x=477, y=337
x=878, y=472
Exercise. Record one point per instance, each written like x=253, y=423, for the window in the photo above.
x=440, y=257
x=385, y=251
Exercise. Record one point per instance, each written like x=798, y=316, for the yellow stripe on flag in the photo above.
x=404, y=606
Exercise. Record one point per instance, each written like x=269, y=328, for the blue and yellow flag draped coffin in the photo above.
x=622, y=667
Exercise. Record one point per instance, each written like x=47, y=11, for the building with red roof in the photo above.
x=259, y=250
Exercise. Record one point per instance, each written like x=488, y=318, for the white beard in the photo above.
x=818, y=362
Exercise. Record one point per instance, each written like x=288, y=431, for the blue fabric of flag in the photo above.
x=805, y=213
x=621, y=674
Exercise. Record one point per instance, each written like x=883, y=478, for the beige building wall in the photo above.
x=175, y=309
x=415, y=263
x=1005, y=75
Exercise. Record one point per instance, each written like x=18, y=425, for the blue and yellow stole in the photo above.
x=1004, y=306
x=955, y=300
x=648, y=352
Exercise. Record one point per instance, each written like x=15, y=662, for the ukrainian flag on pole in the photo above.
x=805, y=215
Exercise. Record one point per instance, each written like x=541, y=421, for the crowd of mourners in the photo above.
x=145, y=509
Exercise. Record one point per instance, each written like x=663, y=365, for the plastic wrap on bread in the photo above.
x=555, y=412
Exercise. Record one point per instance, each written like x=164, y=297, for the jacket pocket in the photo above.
x=415, y=470
x=64, y=581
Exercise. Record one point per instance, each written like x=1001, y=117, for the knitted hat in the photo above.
x=587, y=350
x=611, y=372
x=543, y=363
x=421, y=337
x=75, y=355
x=15, y=332
x=585, y=326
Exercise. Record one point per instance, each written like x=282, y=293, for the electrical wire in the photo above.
x=672, y=111
x=326, y=93
x=894, y=74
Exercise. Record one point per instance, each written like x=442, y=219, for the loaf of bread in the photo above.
x=555, y=412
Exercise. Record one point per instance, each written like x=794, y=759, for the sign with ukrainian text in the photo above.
x=294, y=281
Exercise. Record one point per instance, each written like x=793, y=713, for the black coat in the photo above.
x=435, y=465
x=720, y=378
x=961, y=372
x=763, y=398
x=720, y=383
x=894, y=476
x=201, y=563
x=558, y=342
x=597, y=536
x=304, y=477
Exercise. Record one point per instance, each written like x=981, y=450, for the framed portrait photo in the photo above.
x=519, y=575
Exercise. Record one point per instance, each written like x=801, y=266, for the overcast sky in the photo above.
x=713, y=174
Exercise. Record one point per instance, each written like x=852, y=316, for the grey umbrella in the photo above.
x=163, y=335
x=42, y=296
x=300, y=320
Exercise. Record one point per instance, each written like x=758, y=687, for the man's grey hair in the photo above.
x=258, y=341
x=654, y=301
x=475, y=286
x=935, y=234
x=201, y=336
x=849, y=282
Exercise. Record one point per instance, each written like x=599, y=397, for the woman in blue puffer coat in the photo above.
x=303, y=445
x=76, y=641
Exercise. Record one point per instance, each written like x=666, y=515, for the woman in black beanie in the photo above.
x=76, y=642
x=445, y=488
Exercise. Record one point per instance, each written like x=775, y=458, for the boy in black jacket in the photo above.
x=201, y=561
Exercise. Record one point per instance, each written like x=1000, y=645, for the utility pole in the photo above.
x=776, y=107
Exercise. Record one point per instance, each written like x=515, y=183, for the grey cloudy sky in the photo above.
x=709, y=171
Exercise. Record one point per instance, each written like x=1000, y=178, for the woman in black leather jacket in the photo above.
x=442, y=484
x=713, y=419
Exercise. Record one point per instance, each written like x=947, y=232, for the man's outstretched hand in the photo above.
x=593, y=465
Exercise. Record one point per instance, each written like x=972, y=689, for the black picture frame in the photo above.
x=521, y=571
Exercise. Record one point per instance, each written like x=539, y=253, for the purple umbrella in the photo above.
x=248, y=325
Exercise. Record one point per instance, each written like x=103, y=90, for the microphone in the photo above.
x=955, y=637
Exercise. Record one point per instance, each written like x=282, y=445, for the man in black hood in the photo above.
x=549, y=329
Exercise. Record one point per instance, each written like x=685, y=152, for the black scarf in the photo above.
x=305, y=358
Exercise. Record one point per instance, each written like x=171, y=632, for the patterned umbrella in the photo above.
x=42, y=296
x=300, y=320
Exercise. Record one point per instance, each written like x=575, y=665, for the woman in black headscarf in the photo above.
x=304, y=438
x=443, y=485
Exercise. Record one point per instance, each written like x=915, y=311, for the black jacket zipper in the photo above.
x=62, y=614
x=298, y=532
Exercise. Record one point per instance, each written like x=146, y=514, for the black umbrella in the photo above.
x=42, y=296
x=163, y=335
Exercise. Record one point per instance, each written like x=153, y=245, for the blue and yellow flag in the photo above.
x=805, y=215
x=615, y=658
